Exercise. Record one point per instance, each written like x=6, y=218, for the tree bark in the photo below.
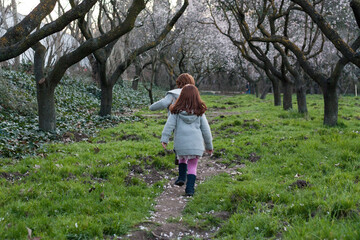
x=331, y=102
x=277, y=93
x=45, y=92
x=94, y=69
x=153, y=77
x=27, y=25
x=151, y=96
x=15, y=19
x=355, y=5
x=21, y=37
x=287, y=97
x=46, y=108
x=135, y=81
x=106, y=99
x=301, y=99
x=265, y=91
x=106, y=91
x=257, y=91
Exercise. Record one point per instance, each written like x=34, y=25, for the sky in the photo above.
x=25, y=6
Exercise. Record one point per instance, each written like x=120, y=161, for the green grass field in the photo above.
x=300, y=180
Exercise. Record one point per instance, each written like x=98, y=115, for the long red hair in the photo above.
x=189, y=101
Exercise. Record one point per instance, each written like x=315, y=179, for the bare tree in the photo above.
x=107, y=81
x=47, y=82
x=328, y=82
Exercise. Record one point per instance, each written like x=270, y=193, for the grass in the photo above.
x=83, y=190
x=300, y=180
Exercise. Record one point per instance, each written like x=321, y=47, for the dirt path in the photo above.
x=171, y=203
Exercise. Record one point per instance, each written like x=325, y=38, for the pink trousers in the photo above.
x=192, y=165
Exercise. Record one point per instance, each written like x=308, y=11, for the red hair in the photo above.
x=189, y=101
x=184, y=79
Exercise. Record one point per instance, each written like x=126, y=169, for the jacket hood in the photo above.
x=187, y=118
x=176, y=91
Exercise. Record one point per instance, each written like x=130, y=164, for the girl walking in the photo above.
x=172, y=95
x=192, y=134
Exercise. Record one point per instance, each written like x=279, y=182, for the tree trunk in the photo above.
x=257, y=91
x=330, y=104
x=277, y=93
x=151, y=96
x=152, y=79
x=172, y=81
x=106, y=91
x=301, y=99
x=106, y=99
x=45, y=92
x=265, y=91
x=135, y=81
x=287, y=97
x=46, y=107
x=94, y=69
x=15, y=19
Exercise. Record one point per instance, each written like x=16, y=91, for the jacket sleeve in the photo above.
x=162, y=104
x=206, y=132
x=169, y=128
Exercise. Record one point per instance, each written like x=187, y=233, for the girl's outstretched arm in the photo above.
x=162, y=103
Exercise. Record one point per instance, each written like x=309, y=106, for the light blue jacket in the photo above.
x=192, y=134
x=165, y=102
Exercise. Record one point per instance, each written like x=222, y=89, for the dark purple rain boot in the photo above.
x=182, y=174
x=190, y=185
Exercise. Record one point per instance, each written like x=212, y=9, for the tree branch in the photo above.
x=27, y=41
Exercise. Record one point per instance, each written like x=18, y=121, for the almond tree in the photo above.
x=327, y=82
x=242, y=21
x=102, y=55
x=227, y=17
x=192, y=48
x=47, y=82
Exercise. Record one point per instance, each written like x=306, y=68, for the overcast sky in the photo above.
x=25, y=6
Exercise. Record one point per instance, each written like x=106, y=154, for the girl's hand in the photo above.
x=164, y=145
x=210, y=152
